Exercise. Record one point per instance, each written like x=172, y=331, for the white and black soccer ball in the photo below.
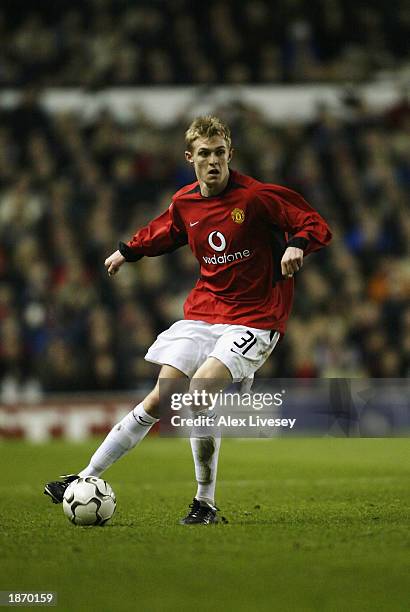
x=89, y=501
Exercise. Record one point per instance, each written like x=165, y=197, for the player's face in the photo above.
x=210, y=157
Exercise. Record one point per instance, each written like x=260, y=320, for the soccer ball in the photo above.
x=89, y=501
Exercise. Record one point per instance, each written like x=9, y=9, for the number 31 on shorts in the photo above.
x=245, y=343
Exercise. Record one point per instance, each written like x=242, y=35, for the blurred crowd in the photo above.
x=100, y=43
x=70, y=189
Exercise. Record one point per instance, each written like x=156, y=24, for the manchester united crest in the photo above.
x=238, y=215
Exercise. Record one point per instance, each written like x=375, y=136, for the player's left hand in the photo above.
x=292, y=261
x=114, y=262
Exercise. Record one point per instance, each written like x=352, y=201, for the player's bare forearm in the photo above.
x=292, y=261
x=114, y=262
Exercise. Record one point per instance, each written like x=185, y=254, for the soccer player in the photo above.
x=249, y=238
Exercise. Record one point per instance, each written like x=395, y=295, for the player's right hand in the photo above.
x=114, y=262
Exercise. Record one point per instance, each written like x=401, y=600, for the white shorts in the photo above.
x=187, y=344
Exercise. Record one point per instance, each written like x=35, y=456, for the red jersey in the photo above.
x=238, y=238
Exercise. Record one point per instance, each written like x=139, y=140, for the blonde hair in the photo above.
x=206, y=127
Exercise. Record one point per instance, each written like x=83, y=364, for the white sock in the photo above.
x=122, y=438
x=205, y=445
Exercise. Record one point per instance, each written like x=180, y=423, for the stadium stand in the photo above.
x=104, y=43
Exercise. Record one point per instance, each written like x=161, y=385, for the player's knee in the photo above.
x=207, y=384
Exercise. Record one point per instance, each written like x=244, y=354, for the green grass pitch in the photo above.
x=314, y=524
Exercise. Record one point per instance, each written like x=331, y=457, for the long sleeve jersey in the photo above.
x=238, y=238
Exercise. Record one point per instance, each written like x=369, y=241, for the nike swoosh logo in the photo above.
x=192, y=224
